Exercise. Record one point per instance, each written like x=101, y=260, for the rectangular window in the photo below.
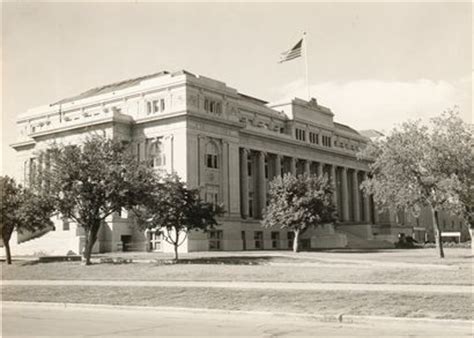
x=66, y=225
x=155, y=106
x=148, y=107
x=162, y=104
x=212, y=107
x=290, y=237
x=258, y=238
x=211, y=161
x=275, y=240
x=249, y=167
x=215, y=239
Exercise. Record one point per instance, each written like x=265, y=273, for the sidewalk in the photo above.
x=451, y=289
x=37, y=319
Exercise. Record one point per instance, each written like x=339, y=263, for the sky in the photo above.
x=374, y=64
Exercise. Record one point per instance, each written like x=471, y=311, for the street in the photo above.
x=23, y=319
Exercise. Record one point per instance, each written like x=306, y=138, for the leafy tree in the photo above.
x=298, y=203
x=176, y=209
x=90, y=181
x=420, y=166
x=22, y=210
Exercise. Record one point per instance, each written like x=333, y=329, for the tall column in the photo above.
x=366, y=203
x=244, y=183
x=355, y=198
x=307, y=167
x=320, y=169
x=334, y=185
x=277, y=165
x=225, y=176
x=344, y=195
x=262, y=184
x=293, y=166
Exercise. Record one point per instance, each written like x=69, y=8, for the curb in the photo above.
x=340, y=318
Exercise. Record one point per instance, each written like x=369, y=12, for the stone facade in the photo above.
x=228, y=144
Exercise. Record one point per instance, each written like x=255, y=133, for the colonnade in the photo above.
x=259, y=167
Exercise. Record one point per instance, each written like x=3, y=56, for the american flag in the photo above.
x=293, y=53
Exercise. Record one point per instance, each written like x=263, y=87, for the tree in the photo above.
x=89, y=182
x=420, y=166
x=298, y=203
x=176, y=209
x=22, y=210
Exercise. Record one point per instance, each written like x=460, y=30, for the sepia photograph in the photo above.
x=253, y=169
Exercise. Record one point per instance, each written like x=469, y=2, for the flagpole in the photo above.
x=306, y=63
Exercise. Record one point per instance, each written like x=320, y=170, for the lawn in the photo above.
x=393, y=266
x=427, y=305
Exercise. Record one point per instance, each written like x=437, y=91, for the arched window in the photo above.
x=212, y=156
x=156, y=154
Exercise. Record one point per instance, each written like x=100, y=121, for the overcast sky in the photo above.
x=373, y=64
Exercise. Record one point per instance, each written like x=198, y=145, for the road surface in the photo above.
x=24, y=319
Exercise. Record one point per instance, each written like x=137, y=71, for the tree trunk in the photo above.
x=6, y=243
x=437, y=233
x=471, y=233
x=296, y=240
x=175, y=244
x=175, y=252
x=91, y=237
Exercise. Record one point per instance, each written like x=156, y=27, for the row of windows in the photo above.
x=326, y=141
x=313, y=138
x=212, y=106
x=300, y=134
x=155, y=106
x=216, y=237
x=345, y=145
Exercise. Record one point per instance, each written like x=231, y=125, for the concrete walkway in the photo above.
x=452, y=289
x=52, y=319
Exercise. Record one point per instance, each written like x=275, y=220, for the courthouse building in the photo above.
x=228, y=144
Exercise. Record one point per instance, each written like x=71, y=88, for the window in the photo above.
x=313, y=138
x=156, y=153
x=326, y=141
x=300, y=134
x=282, y=130
x=211, y=156
x=215, y=239
x=212, y=106
x=258, y=238
x=212, y=194
x=290, y=237
x=249, y=166
x=212, y=161
x=155, y=106
x=266, y=168
x=66, y=224
x=275, y=240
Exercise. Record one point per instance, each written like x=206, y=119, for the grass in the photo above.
x=394, y=266
x=310, y=302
